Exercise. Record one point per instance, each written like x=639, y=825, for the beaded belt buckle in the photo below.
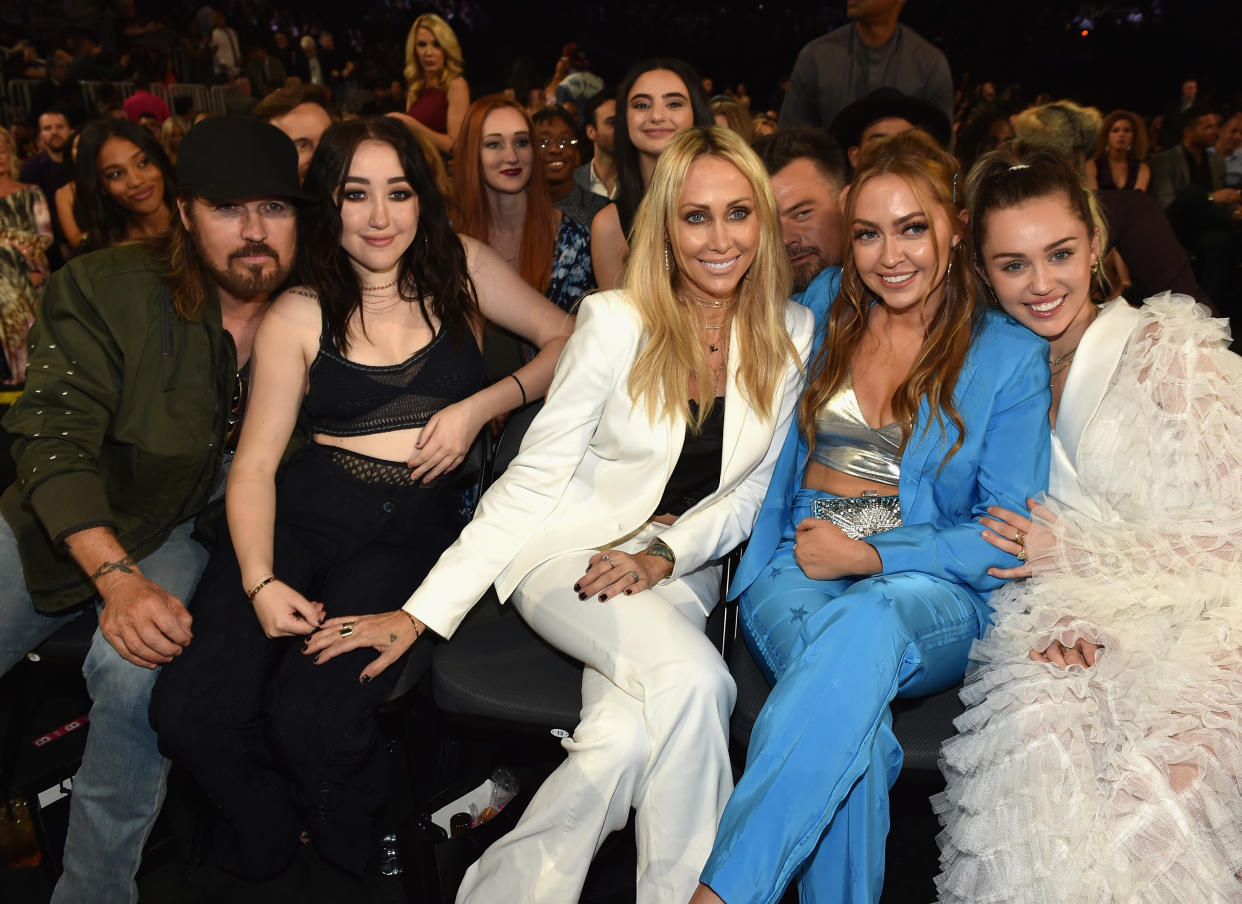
x=859, y=516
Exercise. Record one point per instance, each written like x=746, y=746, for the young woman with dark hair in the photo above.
x=866, y=578
x=378, y=349
x=657, y=99
x=126, y=186
x=644, y=468
x=1100, y=757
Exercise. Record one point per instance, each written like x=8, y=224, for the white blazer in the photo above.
x=592, y=468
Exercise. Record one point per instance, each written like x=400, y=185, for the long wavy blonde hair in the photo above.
x=673, y=353
x=415, y=78
x=934, y=177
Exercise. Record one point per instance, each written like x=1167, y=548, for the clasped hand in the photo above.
x=611, y=572
x=1013, y=533
x=825, y=553
x=389, y=633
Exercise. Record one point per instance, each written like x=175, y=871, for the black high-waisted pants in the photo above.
x=279, y=743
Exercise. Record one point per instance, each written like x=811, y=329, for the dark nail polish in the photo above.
x=602, y=597
x=577, y=588
x=629, y=592
x=581, y=596
x=315, y=658
x=365, y=679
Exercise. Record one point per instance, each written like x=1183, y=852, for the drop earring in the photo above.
x=668, y=260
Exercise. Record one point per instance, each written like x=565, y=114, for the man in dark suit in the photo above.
x=1189, y=183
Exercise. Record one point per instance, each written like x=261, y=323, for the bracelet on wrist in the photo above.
x=419, y=627
x=250, y=594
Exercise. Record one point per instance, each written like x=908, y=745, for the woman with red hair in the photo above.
x=501, y=199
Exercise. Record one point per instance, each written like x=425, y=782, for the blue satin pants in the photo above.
x=812, y=804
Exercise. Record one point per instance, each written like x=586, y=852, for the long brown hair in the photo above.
x=472, y=216
x=1137, y=150
x=933, y=176
x=182, y=269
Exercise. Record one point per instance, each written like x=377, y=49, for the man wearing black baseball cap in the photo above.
x=133, y=395
x=883, y=113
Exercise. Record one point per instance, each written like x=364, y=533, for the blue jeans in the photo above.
x=119, y=788
x=813, y=801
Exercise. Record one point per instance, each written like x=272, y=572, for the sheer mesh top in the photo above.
x=346, y=398
x=845, y=443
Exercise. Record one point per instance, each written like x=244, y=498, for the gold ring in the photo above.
x=1020, y=538
x=1066, y=649
x=1020, y=555
x=347, y=629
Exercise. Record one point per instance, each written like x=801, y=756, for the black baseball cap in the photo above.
x=228, y=158
x=882, y=103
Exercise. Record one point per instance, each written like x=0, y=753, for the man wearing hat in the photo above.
x=133, y=395
x=883, y=113
x=871, y=52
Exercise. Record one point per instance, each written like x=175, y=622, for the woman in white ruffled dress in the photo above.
x=1100, y=758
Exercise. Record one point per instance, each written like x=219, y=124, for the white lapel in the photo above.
x=735, y=417
x=1098, y=353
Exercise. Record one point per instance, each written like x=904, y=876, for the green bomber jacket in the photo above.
x=123, y=419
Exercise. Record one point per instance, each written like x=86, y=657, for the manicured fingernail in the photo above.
x=602, y=597
x=577, y=588
x=322, y=619
x=581, y=596
x=365, y=679
x=628, y=592
x=315, y=658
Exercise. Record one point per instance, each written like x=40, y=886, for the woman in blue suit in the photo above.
x=866, y=575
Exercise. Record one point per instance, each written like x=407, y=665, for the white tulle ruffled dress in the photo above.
x=1121, y=782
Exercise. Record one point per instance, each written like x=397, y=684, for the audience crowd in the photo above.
x=238, y=211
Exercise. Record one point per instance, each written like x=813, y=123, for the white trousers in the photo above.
x=653, y=735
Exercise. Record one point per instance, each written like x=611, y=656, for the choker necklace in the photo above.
x=373, y=290
x=711, y=304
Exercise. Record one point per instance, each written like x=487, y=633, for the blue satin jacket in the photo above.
x=1002, y=395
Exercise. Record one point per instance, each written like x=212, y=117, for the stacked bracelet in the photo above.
x=250, y=594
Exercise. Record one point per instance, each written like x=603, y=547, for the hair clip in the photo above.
x=955, y=175
x=1019, y=166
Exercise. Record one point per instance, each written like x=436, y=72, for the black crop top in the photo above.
x=346, y=398
x=697, y=472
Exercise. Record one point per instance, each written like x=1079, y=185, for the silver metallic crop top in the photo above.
x=845, y=443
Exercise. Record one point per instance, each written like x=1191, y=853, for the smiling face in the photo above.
x=428, y=51
x=717, y=231
x=896, y=255
x=558, y=148
x=811, y=222
x=657, y=108
x=379, y=211
x=1038, y=258
x=506, y=151
x=129, y=177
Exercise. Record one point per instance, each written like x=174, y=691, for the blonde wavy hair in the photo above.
x=415, y=78
x=673, y=353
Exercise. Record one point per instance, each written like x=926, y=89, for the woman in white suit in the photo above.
x=646, y=465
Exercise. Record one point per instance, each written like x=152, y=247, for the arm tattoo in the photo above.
x=660, y=550
x=126, y=565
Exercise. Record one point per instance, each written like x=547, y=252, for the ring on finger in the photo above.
x=1020, y=538
x=607, y=558
x=347, y=629
x=1020, y=555
x=634, y=575
x=1066, y=648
